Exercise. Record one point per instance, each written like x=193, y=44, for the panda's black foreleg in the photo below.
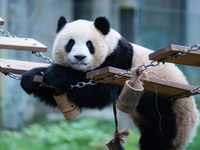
x=159, y=128
x=44, y=94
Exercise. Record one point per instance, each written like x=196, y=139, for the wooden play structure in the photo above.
x=172, y=53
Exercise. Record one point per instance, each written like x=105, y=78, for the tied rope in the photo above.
x=122, y=135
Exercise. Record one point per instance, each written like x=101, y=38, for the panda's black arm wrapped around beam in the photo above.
x=41, y=92
x=62, y=78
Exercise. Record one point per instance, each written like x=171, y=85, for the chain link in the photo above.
x=187, y=94
x=120, y=74
x=14, y=76
x=104, y=81
x=45, y=58
x=6, y=33
x=152, y=64
x=183, y=52
x=38, y=54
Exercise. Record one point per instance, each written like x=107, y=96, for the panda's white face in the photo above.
x=80, y=45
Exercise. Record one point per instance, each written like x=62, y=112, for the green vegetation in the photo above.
x=83, y=134
x=195, y=144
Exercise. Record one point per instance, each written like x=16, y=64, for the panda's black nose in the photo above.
x=80, y=57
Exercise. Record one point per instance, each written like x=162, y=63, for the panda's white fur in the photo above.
x=185, y=111
x=84, y=33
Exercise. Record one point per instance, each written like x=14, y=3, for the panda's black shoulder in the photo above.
x=121, y=55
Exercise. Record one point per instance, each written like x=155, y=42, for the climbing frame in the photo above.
x=26, y=44
x=151, y=84
x=18, y=67
x=192, y=58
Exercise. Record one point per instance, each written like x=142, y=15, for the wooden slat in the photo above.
x=192, y=58
x=1, y=21
x=18, y=67
x=26, y=44
x=151, y=84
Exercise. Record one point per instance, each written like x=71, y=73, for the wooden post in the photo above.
x=127, y=22
x=1, y=21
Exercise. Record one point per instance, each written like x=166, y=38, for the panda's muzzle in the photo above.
x=79, y=60
x=80, y=57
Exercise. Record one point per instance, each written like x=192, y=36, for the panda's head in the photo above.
x=81, y=44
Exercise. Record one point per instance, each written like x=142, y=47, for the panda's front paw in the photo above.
x=58, y=83
x=27, y=82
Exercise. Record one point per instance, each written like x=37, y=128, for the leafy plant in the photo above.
x=83, y=134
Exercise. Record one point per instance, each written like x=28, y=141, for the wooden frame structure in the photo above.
x=26, y=44
x=151, y=84
x=18, y=67
x=192, y=58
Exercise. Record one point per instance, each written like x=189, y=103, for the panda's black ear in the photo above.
x=61, y=22
x=102, y=24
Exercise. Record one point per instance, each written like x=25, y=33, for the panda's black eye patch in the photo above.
x=69, y=45
x=90, y=47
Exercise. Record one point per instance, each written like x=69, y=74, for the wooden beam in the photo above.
x=152, y=84
x=25, y=44
x=192, y=58
x=18, y=67
x=1, y=21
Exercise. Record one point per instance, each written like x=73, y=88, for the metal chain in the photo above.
x=14, y=76
x=45, y=58
x=171, y=57
x=187, y=94
x=6, y=33
x=120, y=74
x=38, y=54
x=183, y=52
x=104, y=81
x=152, y=64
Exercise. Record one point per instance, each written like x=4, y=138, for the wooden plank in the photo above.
x=26, y=44
x=192, y=58
x=1, y=21
x=107, y=72
x=18, y=67
x=152, y=84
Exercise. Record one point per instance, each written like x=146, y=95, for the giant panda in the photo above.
x=82, y=46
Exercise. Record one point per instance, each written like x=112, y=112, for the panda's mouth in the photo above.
x=79, y=63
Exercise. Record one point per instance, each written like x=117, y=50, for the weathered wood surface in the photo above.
x=18, y=67
x=1, y=21
x=192, y=58
x=152, y=84
x=26, y=44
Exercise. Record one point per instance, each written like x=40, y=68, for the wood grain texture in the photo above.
x=26, y=44
x=1, y=21
x=152, y=84
x=192, y=58
x=18, y=67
